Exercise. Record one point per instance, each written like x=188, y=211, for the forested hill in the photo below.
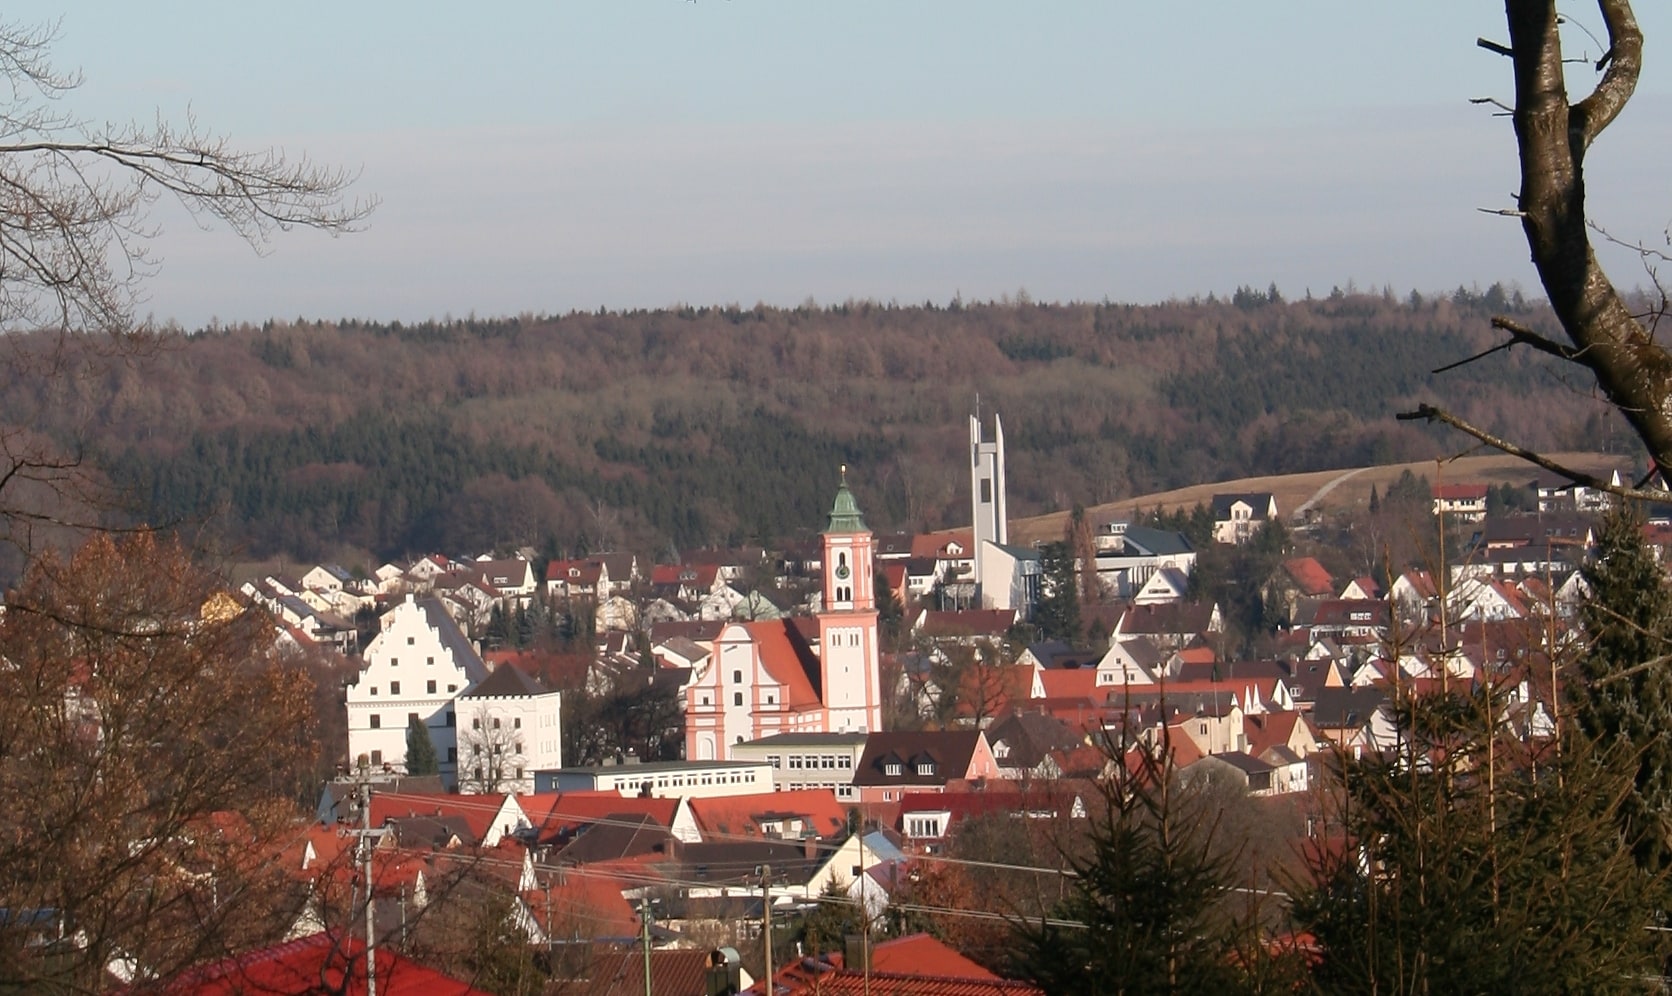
x=705, y=425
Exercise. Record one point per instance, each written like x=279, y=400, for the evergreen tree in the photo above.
x=1625, y=695
x=1148, y=910
x=1469, y=865
x=1058, y=612
x=420, y=749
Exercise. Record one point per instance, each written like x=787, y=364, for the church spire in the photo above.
x=845, y=516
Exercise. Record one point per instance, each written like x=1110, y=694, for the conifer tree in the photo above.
x=1624, y=694
x=1147, y=912
x=1058, y=613
x=420, y=749
x=1470, y=862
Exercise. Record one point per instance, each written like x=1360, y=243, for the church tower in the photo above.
x=848, y=645
x=987, y=514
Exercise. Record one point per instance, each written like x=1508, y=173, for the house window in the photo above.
x=496, y=722
x=519, y=751
x=1204, y=729
x=926, y=767
x=394, y=662
x=452, y=755
x=844, y=761
x=737, y=698
x=705, y=700
x=516, y=724
x=452, y=688
x=412, y=719
x=827, y=761
x=892, y=768
x=377, y=721
x=394, y=688
x=374, y=689
x=410, y=641
x=429, y=687
x=377, y=757
x=795, y=761
x=772, y=760
x=452, y=719
x=478, y=772
x=476, y=723
x=429, y=660
x=519, y=771
x=737, y=677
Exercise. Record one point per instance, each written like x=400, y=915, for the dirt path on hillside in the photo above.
x=1319, y=494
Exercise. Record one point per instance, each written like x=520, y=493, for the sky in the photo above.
x=542, y=157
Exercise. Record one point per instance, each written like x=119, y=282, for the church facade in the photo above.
x=799, y=674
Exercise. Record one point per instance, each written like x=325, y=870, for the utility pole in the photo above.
x=644, y=939
x=366, y=855
x=766, y=924
x=864, y=908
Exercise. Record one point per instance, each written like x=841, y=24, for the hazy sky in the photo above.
x=545, y=156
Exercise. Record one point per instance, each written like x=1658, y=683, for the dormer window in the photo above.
x=892, y=769
x=925, y=767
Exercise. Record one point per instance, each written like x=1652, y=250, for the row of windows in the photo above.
x=826, y=761
x=411, y=717
x=452, y=756
x=892, y=768
x=429, y=688
x=396, y=661
x=516, y=723
x=706, y=778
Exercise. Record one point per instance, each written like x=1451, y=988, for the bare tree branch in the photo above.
x=1430, y=413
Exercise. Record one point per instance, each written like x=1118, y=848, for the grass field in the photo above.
x=1351, y=487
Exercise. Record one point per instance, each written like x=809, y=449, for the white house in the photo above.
x=416, y=666
x=510, y=727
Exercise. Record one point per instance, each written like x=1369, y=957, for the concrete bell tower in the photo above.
x=987, y=512
x=848, y=645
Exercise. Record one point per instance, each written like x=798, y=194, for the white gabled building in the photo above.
x=417, y=666
x=510, y=726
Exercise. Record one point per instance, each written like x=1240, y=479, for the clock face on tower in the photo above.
x=841, y=572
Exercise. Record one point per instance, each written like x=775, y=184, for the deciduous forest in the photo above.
x=693, y=426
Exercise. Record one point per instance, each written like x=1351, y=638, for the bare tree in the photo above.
x=491, y=757
x=1553, y=136
x=76, y=245
x=154, y=747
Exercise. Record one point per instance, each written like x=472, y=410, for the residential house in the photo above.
x=895, y=762
x=1128, y=556
x=511, y=728
x=1237, y=517
x=1461, y=502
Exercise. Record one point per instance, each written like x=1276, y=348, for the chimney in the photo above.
x=855, y=953
x=810, y=847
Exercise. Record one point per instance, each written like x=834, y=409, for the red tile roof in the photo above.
x=924, y=955
x=787, y=660
x=317, y=963
x=1063, y=683
x=1310, y=576
x=935, y=544
x=561, y=813
x=744, y=814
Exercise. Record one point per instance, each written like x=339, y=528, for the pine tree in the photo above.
x=420, y=749
x=1471, y=862
x=1148, y=911
x=1058, y=612
x=1625, y=695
